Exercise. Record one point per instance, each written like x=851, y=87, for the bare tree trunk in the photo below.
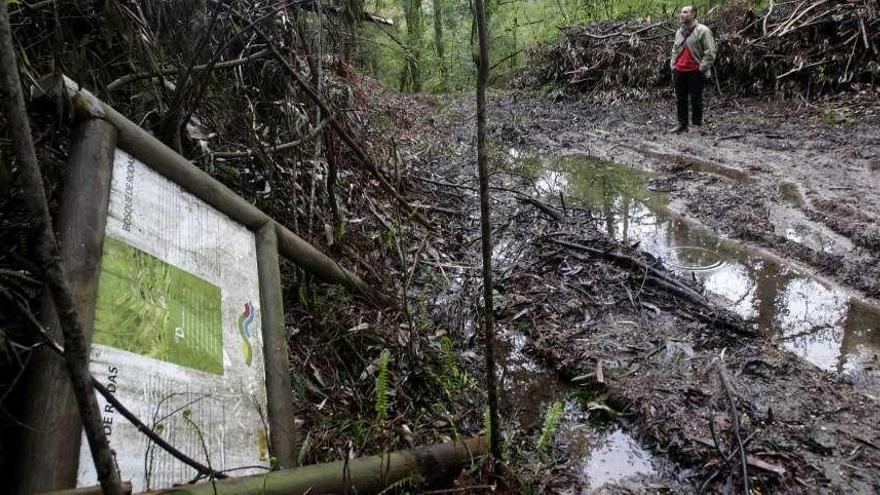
x=411, y=76
x=332, y=154
x=352, y=13
x=76, y=350
x=486, y=228
x=438, y=41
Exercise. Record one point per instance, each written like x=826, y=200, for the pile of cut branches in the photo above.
x=806, y=48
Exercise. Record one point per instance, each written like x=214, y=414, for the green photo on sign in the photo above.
x=157, y=310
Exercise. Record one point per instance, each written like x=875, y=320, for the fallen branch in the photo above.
x=802, y=68
x=30, y=6
x=618, y=33
x=275, y=149
x=461, y=489
x=202, y=469
x=729, y=457
x=321, y=8
x=377, y=19
x=364, y=475
x=130, y=78
x=736, y=428
x=665, y=282
x=630, y=262
x=421, y=206
x=543, y=207
x=505, y=59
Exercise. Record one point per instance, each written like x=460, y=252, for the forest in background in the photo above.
x=438, y=35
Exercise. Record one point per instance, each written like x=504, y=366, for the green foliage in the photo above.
x=514, y=27
x=453, y=378
x=339, y=230
x=832, y=116
x=404, y=485
x=187, y=417
x=487, y=421
x=551, y=424
x=304, y=449
x=382, y=399
x=790, y=192
x=329, y=303
x=302, y=294
x=360, y=432
x=424, y=314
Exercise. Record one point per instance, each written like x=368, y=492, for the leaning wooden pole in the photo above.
x=486, y=228
x=82, y=215
x=76, y=348
x=367, y=475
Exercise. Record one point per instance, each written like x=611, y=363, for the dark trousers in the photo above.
x=689, y=85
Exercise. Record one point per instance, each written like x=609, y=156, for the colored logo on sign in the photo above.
x=244, y=329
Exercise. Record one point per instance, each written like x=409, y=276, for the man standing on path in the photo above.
x=693, y=55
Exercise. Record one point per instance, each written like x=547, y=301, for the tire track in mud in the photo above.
x=808, y=430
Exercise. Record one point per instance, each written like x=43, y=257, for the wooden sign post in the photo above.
x=174, y=276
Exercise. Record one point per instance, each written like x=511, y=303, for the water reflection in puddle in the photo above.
x=596, y=452
x=820, y=323
x=617, y=456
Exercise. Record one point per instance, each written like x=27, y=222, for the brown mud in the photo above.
x=779, y=345
x=803, y=180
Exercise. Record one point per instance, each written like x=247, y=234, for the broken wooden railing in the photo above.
x=48, y=457
x=365, y=475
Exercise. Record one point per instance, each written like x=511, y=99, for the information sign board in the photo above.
x=177, y=335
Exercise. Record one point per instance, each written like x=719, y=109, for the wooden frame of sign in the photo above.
x=49, y=453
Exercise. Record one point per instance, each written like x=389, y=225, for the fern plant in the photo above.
x=404, y=485
x=382, y=401
x=453, y=378
x=551, y=424
x=487, y=421
x=451, y=370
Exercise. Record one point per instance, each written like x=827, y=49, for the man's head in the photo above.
x=688, y=14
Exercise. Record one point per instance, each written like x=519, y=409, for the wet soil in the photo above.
x=692, y=335
x=798, y=179
x=818, y=321
x=593, y=451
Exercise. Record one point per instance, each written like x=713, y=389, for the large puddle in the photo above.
x=590, y=446
x=595, y=450
x=821, y=323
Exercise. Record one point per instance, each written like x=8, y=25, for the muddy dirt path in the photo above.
x=802, y=182
x=693, y=335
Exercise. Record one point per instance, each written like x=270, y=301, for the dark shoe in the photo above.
x=678, y=130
